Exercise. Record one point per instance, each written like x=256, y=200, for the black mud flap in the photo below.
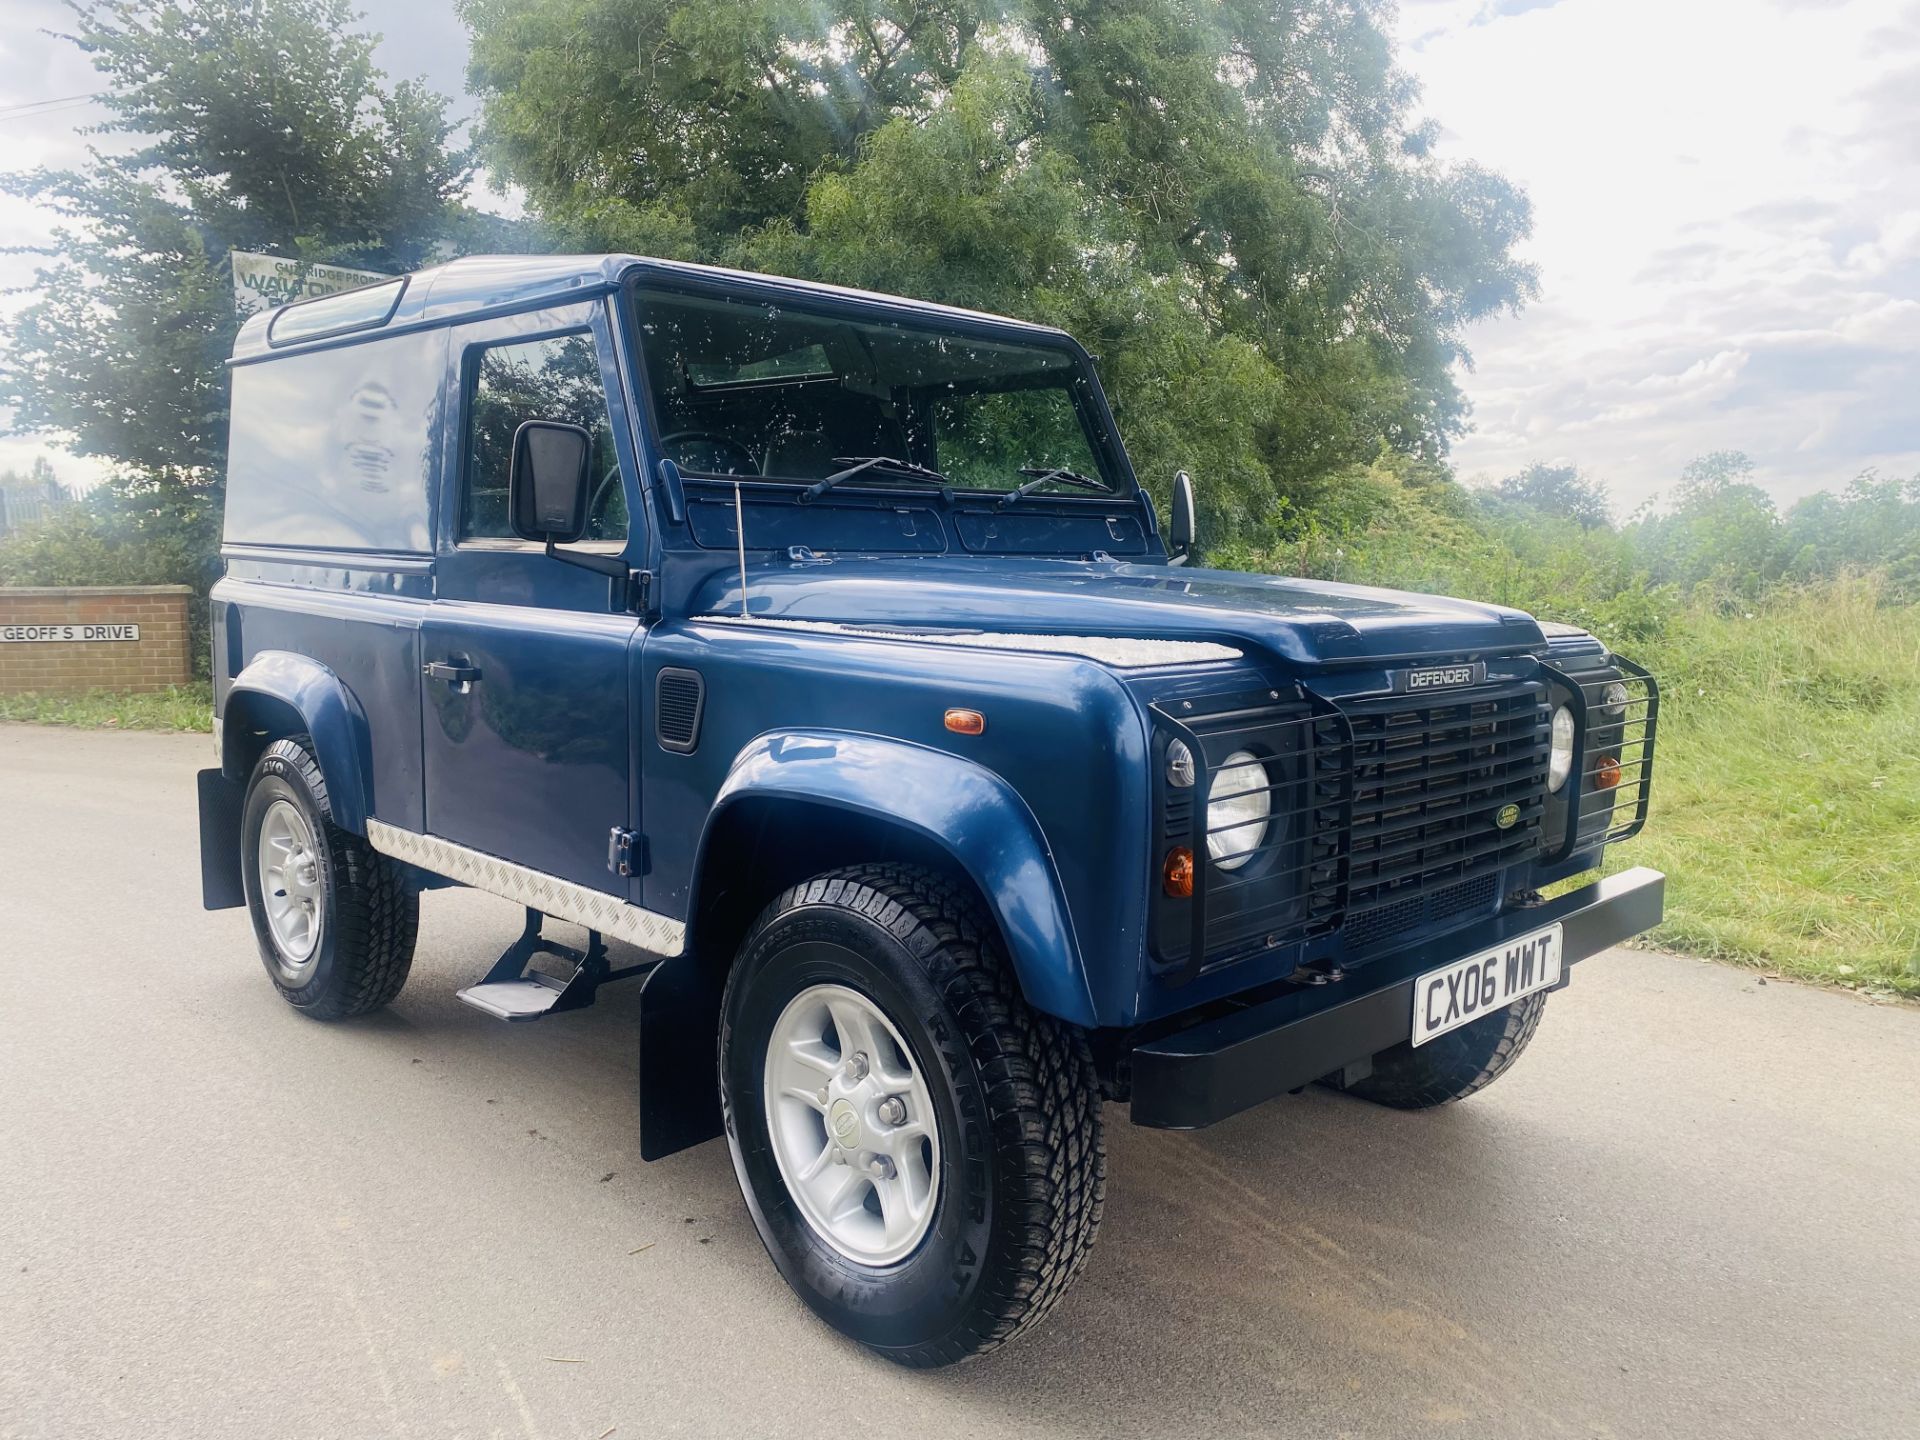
x=221, y=801
x=679, y=1057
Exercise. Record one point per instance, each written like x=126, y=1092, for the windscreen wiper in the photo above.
x=883, y=464
x=1058, y=473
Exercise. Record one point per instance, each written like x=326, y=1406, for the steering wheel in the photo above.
x=730, y=457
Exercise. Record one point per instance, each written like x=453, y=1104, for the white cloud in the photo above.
x=1727, y=204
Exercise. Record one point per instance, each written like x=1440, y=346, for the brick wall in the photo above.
x=159, y=658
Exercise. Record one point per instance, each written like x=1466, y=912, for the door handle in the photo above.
x=452, y=674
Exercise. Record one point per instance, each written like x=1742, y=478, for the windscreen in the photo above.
x=758, y=388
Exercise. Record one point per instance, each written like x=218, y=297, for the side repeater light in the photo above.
x=1177, y=873
x=966, y=722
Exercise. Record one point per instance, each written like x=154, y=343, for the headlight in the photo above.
x=1238, y=804
x=1560, y=758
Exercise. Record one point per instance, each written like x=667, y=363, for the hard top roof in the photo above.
x=482, y=284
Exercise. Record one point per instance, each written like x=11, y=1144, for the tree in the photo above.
x=237, y=124
x=247, y=124
x=1559, y=490
x=1231, y=204
x=1722, y=529
x=1874, y=524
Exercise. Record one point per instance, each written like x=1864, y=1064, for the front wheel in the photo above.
x=920, y=1151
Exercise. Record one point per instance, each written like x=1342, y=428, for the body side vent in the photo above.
x=679, y=701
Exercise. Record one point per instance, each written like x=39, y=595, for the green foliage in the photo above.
x=121, y=533
x=1540, y=542
x=178, y=707
x=1722, y=532
x=1787, y=803
x=128, y=531
x=1229, y=205
x=121, y=351
x=1561, y=491
x=1874, y=524
x=1787, y=797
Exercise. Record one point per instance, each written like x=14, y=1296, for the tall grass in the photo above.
x=1786, y=793
x=1786, y=806
x=179, y=707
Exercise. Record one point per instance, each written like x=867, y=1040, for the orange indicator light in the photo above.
x=1606, y=773
x=1177, y=873
x=966, y=722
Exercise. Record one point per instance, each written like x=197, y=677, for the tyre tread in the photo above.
x=376, y=911
x=1043, y=1097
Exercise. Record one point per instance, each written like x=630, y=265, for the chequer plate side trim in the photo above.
x=564, y=900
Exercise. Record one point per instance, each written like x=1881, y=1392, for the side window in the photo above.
x=557, y=378
x=985, y=438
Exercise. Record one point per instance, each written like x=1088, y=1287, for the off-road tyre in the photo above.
x=1454, y=1065
x=1022, y=1160
x=370, y=906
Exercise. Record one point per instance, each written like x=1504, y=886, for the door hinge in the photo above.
x=626, y=852
x=640, y=593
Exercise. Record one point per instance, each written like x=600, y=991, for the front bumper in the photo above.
x=1221, y=1066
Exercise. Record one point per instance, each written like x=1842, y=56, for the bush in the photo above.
x=127, y=533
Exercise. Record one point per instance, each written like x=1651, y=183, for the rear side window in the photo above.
x=557, y=378
x=341, y=314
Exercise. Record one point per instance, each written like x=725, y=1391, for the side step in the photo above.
x=536, y=977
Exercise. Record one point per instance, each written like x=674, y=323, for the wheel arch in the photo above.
x=797, y=803
x=281, y=693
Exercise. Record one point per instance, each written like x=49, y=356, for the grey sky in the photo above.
x=1727, y=197
x=1727, y=204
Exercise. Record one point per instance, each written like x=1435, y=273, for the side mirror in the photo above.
x=1180, y=520
x=548, y=484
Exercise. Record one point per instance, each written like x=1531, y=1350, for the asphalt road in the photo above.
x=1691, y=1211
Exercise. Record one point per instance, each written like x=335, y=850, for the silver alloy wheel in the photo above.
x=290, y=887
x=852, y=1125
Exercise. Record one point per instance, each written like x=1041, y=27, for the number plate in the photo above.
x=1449, y=997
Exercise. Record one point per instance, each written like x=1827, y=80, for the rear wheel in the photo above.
x=334, y=918
x=1454, y=1065
x=920, y=1151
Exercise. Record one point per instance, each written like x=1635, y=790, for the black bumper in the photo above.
x=1219, y=1067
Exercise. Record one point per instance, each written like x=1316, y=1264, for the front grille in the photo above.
x=1431, y=783
x=1385, y=817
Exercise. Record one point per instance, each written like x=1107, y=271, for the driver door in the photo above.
x=526, y=717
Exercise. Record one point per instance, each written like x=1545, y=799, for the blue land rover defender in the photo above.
x=818, y=655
